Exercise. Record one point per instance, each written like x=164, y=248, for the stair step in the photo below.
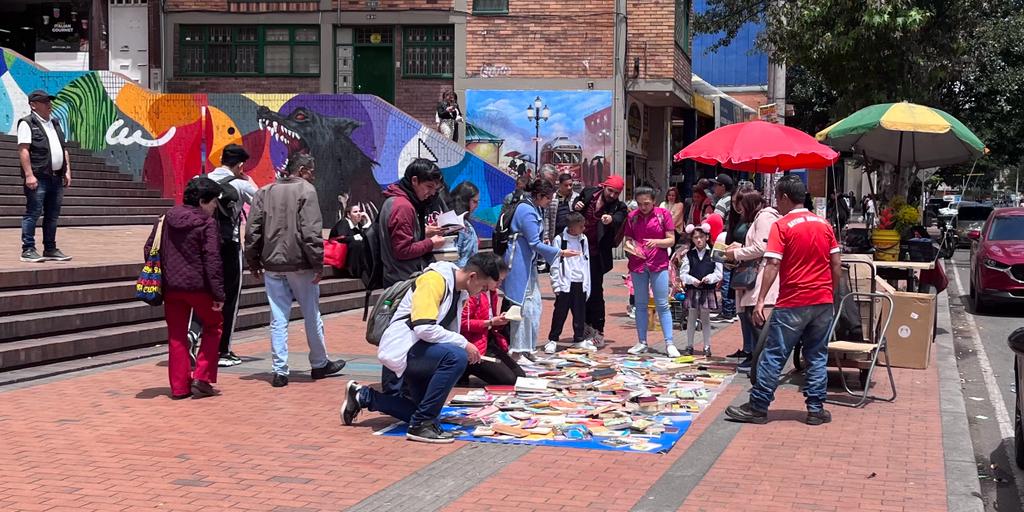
x=113, y=200
x=87, y=211
x=73, y=149
x=77, y=295
x=109, y=339
x=84, y=163
x=95, y=220
x=55, y=321
x=18, y=189
x=83, y=182
x=76, y=174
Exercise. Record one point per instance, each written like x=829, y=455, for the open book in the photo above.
x=450, y=223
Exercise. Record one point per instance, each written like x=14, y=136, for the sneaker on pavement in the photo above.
x=819, y=417
x=521, y=359
x=672, y=351
x=744, y=366
x=707, y=351
x=597, y=339
x=279, y=381
x=350, y=407
x=746, y=414
x=203, y=389
x=585, y=345
x=739, y=354
x=429, y=433
x=688, y=351
x=330, y=368
x=31, y=256
x=229, y=359
x=55, y=255
x=550, y=347
x=638, y=349
x=631, y=311
x=589, y=332
x=719, y=319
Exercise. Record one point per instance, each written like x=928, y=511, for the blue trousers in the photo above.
x=431, y=371
x=45, y=200
x=808, y=325
x=728, y=296
x=643, y=283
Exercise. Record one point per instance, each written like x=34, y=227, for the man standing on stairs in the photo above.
x=284, y=243
x=47, y=172
x=229, y=173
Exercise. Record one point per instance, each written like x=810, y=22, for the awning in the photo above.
x=476, y=134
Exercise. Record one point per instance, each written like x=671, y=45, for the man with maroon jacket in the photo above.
x=604, y=215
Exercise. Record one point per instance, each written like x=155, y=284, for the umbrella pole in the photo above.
x=899, y=164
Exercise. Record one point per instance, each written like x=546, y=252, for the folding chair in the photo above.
x=865, y=349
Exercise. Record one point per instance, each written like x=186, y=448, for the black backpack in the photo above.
x=372, y=261
x=228, y=214
x=502, y=235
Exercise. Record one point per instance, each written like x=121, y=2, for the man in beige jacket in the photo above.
x=288, y=252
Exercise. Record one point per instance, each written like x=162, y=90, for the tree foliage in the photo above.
x=963, y=56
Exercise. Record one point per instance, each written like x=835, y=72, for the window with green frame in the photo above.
x=428, y=51
x=259, y=50
x=683, y=9
x=490, y=6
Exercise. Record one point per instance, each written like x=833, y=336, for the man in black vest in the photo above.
x=45, y=168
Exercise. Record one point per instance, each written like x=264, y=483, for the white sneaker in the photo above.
x=585, y=345
x=672, y=351
x=597, y=339
x=522, y=360
x=550, y=347
x=637, y=349
x=631, y=312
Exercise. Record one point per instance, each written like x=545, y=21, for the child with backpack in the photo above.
x=700, y=274
x=570, y=280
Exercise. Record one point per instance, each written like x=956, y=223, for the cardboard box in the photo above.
x=912, y=330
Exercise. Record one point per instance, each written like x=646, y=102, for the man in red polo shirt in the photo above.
x=803, y=253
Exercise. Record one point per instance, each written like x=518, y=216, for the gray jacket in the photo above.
x=285, y=229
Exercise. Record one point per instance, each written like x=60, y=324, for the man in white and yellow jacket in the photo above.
x=424, y=348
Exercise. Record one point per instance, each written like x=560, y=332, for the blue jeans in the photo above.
x=643, y=283
x=526, y=332
x=750, y=332
x=45, y=200
x=282, y=289
x=808, y=325
x=728, y=296
x=431, y=371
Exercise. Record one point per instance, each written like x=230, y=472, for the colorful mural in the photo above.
x=576, y=138
x=361, y=143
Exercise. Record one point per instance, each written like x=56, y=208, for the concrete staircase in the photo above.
x=100, y=195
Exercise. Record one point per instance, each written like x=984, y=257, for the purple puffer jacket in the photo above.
x=190, y=252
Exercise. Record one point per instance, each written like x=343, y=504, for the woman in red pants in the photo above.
x=192, y=282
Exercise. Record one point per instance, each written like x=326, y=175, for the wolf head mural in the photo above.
x=343, y=172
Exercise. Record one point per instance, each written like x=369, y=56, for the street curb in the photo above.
x=963, y=490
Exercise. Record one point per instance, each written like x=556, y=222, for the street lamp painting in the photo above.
x=536, y=113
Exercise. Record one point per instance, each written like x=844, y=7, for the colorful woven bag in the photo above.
x=149, y=286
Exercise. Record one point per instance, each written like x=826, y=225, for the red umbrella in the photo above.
x=757, y=146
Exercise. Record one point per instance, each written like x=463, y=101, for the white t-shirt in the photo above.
x=246, y=190
x=56, y=150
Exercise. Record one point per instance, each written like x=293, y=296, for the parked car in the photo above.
x=997, y=258
x=1016, y=342
x=970, y=218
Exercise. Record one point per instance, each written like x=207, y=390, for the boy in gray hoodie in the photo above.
x=570, y=279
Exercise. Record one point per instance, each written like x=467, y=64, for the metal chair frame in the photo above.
x=879, y=344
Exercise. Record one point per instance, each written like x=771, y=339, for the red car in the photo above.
x=997, y=259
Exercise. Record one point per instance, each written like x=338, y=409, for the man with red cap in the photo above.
x=605, y=216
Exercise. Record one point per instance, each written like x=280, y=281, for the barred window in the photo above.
x=221, y=50
x=490, y=6
x=429, y=51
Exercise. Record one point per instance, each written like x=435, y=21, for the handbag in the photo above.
x=744, y=276
x=335, y=253
x=149, y=286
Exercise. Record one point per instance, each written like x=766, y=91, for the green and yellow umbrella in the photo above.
x=905, y=135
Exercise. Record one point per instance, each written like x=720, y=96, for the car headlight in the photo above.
x=995, y=265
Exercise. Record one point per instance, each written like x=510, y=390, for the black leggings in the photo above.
x=501, y=373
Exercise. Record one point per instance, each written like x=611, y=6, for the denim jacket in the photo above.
x=467, y=243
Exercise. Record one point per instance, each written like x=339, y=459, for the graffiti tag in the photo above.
x=489, y=70
x=124, y=139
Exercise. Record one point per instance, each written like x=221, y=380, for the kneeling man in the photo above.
x=423, y=346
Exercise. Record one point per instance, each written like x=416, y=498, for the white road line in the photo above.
x=994, y=396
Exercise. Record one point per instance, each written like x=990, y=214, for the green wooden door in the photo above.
x=374, y=72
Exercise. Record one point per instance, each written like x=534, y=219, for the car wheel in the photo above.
x=1018, y=428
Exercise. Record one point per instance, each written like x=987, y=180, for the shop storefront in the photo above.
x=54, y=34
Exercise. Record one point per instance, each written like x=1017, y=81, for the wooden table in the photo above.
x=895, y=271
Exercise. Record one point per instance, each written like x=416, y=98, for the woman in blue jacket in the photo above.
x=521, y=287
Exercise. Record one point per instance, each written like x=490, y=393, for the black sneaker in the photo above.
x=330, y=368
x=193, y=348
x=744, y=366
x=707, y=351
x=279, y=381
x=719, y=319
x=228, y=360
x=203, y=389
x=739, y=354
x=350, y=407
x=746, y=414
x=688, y=351
x=429, y=433
x=817, y=418
x=55, y=255
x=31, y=256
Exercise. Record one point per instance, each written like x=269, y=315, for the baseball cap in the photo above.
x=40, y=95
x=724, y=179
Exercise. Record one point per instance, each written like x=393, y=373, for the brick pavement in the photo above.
x=113, y=441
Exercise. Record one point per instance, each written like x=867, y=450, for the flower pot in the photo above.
x=887, y=244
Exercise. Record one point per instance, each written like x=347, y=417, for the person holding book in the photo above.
x=483, y=325
x=570, y=280
x=650, y=232
x=424, y=348
x=465, y=199
x=700, y=274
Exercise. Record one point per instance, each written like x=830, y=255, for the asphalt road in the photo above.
x=986, y=369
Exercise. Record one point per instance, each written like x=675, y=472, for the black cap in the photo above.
x=724, y=179
x=234, y=154
x=40, y=95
